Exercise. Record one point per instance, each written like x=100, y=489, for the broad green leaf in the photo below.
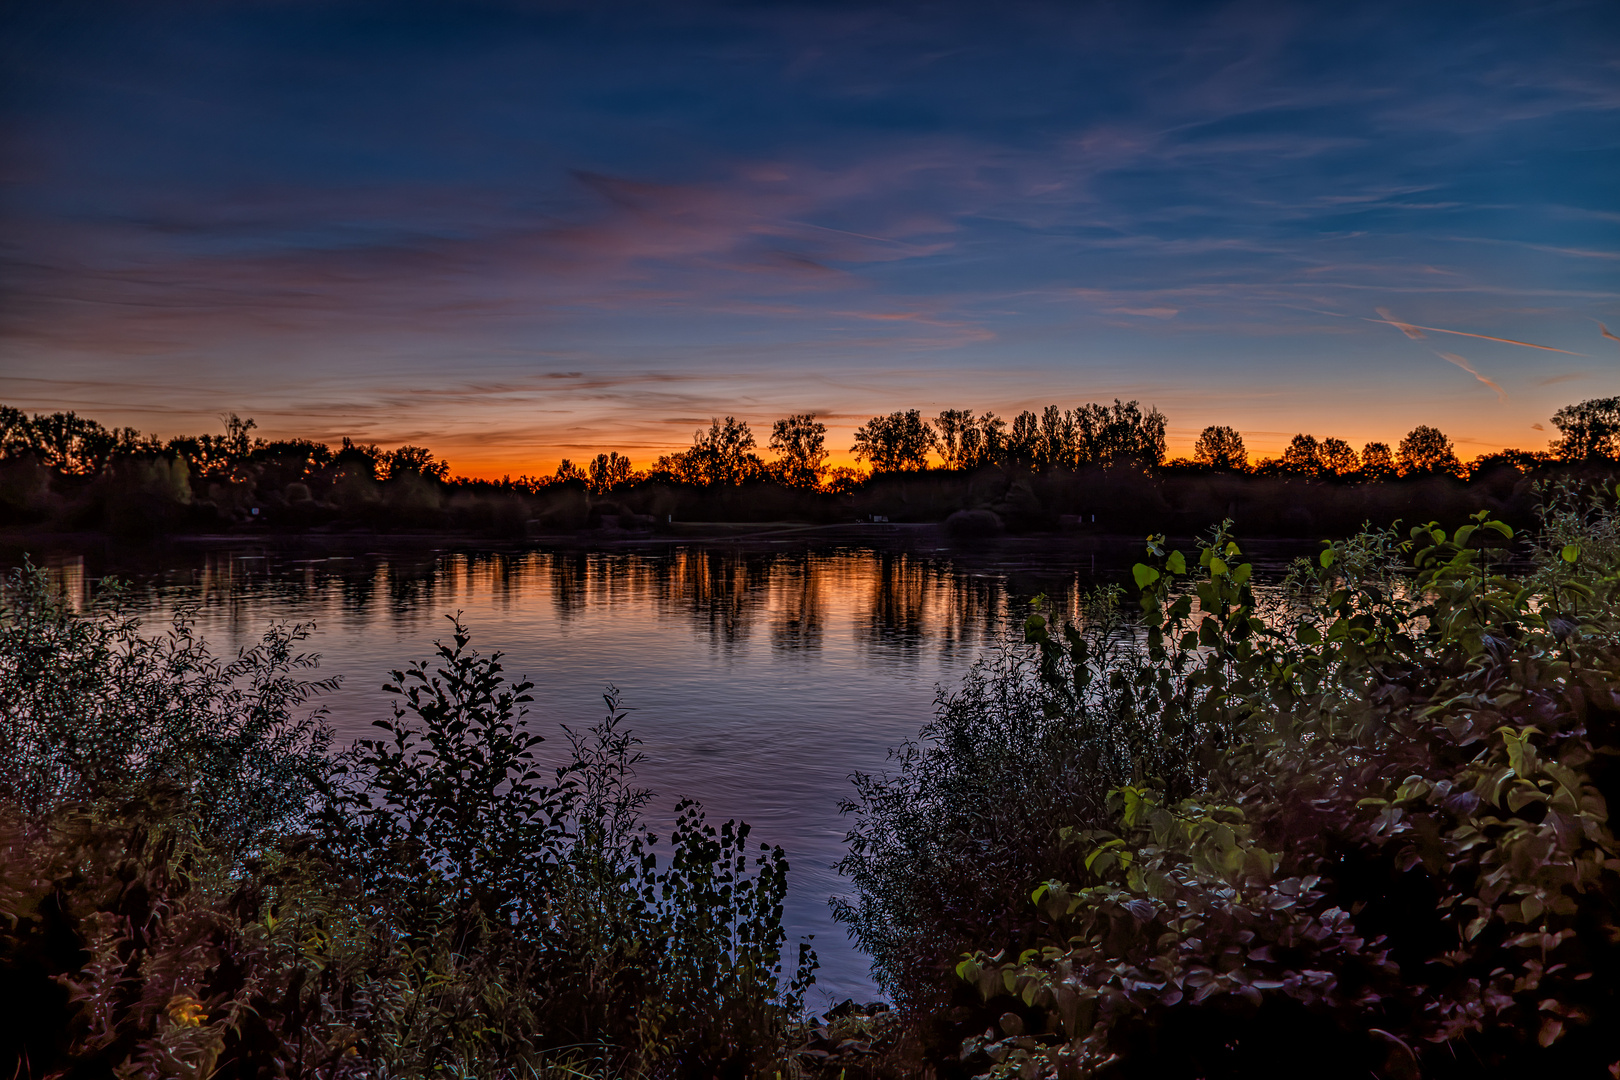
x=1144, y=574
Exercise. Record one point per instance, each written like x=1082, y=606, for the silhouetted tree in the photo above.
x=413, y=461
x=66, y=442
x=1337, y=458
x=800, y=441
x=984, y=442
x=1427, y=452
x=1023, y=443
x=723, y=454
x=1120, y=435
x=1303, y=457
x=295, y=459
x=364, y=460
x=1221, y=448
x=608, y=471
x=898, y=442
x=1589, y=430
x=566, y=471
x=1521, y=461
x=843, y=480
x=1377, y=463
x=1057, y=447
x=955, y=429
x=238, y=443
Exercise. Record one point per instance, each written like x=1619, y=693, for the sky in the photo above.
x=516, y=232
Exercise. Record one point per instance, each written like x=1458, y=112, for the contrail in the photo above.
x=1501, y=395
x=1606, y=333
x=1415, y=333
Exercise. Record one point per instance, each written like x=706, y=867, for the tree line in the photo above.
x=1093, y=435
x=233, y=474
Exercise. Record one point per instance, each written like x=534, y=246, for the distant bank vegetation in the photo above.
x=1102, y=465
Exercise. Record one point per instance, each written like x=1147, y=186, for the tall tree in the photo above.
x=985, y=442
x=1338, y=458
x=955, y=430
x=1057, y=448
x=1589, y=430
x=1303, y=457
x=1221, y=447
x=608, y=471
x=800, y=441
x=1121, y=434
x=898, y=442
x=1426, y=451
x=724, y=453
x=1023, y=445
x=1377, y=463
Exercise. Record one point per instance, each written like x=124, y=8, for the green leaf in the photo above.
x=1327, y=558
x=1144, y=574
x=1570, y=553
x=1177, y=563
x=1502, y=527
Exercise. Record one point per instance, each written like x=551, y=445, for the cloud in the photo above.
x=1416, y=334
x=1501, y=395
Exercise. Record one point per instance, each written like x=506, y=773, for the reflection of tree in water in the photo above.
x=798, y=600
x=570, y=582
x=967, y=609
x=895, y=609
x=723, y=590
x=411, y=588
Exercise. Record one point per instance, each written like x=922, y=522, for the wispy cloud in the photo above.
x=1453, y=358
x=1416, y=334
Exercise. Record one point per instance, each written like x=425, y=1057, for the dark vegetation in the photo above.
x=192, y=884
x=1099, y=466
x=1357, y=826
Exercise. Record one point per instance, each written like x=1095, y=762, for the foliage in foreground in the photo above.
x=1361, y=825
x=226, y=900
x=1403, y=863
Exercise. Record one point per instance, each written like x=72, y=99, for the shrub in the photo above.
x=1401, y=864
x=455, y=909
x=944, y=849
x=91, y=709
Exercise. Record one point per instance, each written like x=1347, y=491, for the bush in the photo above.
x=944, y=849
x=190, y=885
x=1402, y=862
x=92, y=710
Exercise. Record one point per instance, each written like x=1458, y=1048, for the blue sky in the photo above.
x=516, y=232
